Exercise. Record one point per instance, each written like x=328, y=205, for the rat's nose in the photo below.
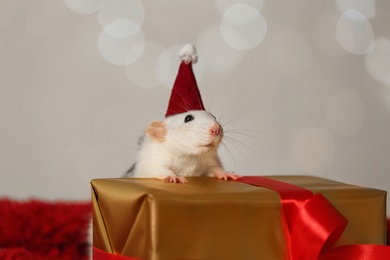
x=215, y=130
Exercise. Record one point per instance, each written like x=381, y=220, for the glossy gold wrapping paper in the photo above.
x=213, y=219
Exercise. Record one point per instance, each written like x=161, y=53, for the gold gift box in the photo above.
x=214, y=219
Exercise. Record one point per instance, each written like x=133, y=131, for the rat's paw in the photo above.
x=227, y=175
x=175, y=179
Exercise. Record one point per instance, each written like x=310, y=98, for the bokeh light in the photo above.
x=223, y=5
x=122, y=28
x=215, y=53
x=152, y=69
x=290, y=52
x=121, y=51
x=324, y=33
x=314, y=150
x=365, y=7
x=243, y=27
x=345, y=112
x=121, y=18
x=378, y=61
x=354, y=32
x=85, y=6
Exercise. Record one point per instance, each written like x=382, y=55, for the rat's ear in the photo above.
x=156, y=130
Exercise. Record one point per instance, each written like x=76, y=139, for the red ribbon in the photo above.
x=313, y=225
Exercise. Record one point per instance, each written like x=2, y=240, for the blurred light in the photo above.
x=223, y=5
x=243, y=27
x=324, y=33
x=121, y=51
x=314, y=150
x=365, y=7
x=121, y=18
x=215, y=53
x=152, y=69
x=290, y=52
x=378, y=61
x=121, y=28
x=354, y=32
x=345, y=112
x=84, y=6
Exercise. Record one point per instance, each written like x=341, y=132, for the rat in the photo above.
x=183, y=145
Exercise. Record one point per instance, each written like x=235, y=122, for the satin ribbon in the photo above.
x=313, y=225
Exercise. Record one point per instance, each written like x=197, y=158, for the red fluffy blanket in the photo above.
x=48, y=230
x=44, y=230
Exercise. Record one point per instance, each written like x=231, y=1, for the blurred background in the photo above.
x=301, y=87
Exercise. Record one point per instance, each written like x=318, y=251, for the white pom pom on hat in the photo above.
x=188, y=54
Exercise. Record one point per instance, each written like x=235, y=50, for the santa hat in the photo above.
x=185, y=94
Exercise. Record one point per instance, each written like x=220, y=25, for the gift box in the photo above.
x=209, y=218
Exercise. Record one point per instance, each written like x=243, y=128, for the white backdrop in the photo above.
x=303, y=87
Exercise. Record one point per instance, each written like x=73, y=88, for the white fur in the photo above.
x=187, y=150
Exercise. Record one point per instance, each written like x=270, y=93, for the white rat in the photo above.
x=183, y=145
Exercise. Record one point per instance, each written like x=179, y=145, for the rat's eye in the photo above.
x=188, y=118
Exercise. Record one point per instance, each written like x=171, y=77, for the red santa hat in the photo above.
x=185, y=95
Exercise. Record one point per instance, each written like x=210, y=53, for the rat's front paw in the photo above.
x=227, y=175
x=175, y=179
